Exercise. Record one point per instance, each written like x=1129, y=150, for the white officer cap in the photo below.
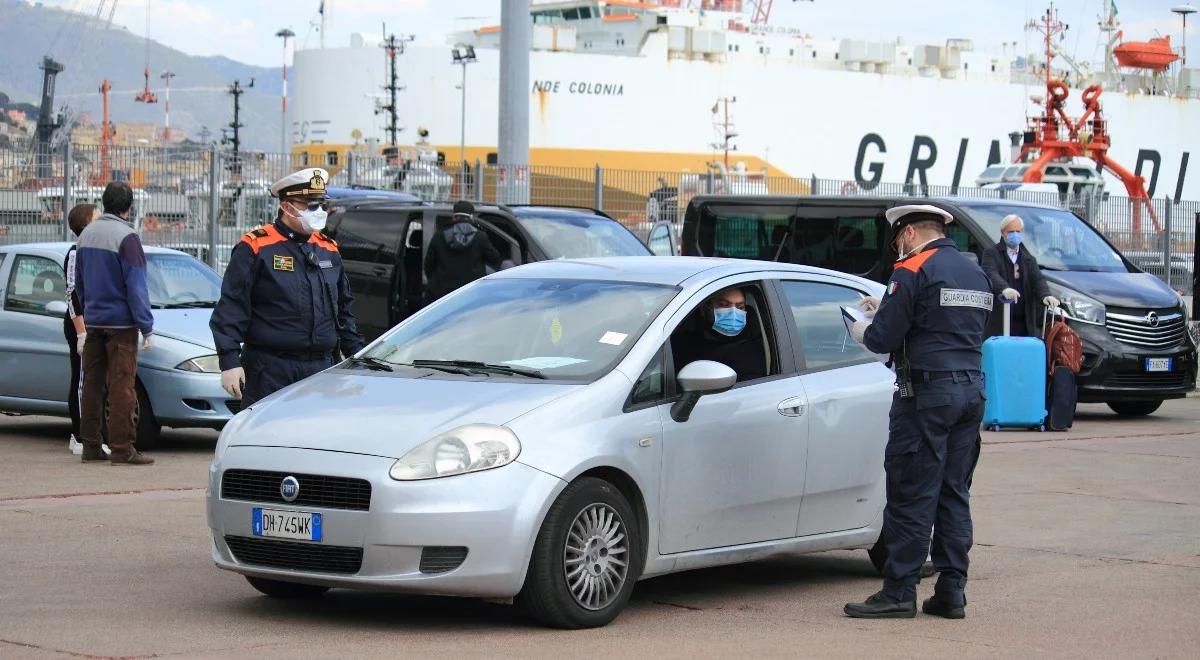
x=307, y=183
x=899, y=216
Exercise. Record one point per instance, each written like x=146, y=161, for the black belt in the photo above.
x=922, y=376
x=293, y=355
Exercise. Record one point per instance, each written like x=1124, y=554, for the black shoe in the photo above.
x=928, y=569
x=91, y=453
x=880, y=606
x=938, y=607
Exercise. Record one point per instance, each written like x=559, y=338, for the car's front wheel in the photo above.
x=1134, y=408
x=277, y=589
x=586, y=559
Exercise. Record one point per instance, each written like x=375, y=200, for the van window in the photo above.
x=1058, y=239
x=743, y=231
x=850, y=243
x=964, y=240
x=369, y=236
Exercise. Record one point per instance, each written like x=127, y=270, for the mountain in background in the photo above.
x=92, y=51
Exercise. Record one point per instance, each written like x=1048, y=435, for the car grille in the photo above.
x=315, y=490
x=1136, y=329
x=1167, y=381
x=295, y=556
x=440, y=559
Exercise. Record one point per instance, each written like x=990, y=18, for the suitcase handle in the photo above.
x=1007, y=316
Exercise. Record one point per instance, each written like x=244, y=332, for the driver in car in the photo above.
x=720, y=330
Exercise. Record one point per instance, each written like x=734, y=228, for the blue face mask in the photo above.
x=1013, y=239
x=729, y=321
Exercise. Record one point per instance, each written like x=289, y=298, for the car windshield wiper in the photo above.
x=487, y=367
x=372, y=363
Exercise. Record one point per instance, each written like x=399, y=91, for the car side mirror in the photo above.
x=56, y=307
x=697, y=379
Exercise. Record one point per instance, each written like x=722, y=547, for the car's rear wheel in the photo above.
x=586, y=559
x=278, y=589
x=147, y=429
x=1134, y=408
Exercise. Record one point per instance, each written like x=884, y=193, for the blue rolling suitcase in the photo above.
x=1014, y=377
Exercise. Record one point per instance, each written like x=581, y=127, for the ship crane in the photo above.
x=1053, y=136
x=146, y=95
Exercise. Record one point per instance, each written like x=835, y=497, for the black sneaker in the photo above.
x=879, y=606
x=91, y=453
x=939, y=607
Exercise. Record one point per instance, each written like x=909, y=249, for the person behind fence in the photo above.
x=458, y=253
x=931, y=320
x=110, y=280
x=284, y=312
x=74, y=329
x=1016, y=280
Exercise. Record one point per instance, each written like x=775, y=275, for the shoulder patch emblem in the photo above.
x=893, y=287
x=281, y=262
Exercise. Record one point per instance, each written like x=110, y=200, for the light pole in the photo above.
x=166, y=136
x=284, y=34
x=463, y=55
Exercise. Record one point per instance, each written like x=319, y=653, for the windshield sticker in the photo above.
x=556, y=332
x=545, y=362
x=613, y=338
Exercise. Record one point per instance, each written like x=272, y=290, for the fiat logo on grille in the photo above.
x=289, y=488
x=1152, y=319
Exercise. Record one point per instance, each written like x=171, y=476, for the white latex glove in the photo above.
x=147, y=341
x=79, y=342
x=1051, y=302
x=1011, y=295
x=232, y=381
x=859, y=329
x=868, y=305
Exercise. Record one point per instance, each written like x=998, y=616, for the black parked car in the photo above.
x=383, y=246
x=1137, y=350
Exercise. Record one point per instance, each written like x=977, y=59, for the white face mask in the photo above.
x=312, y=221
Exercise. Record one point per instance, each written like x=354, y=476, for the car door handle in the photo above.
x=793, y=407
x=379, y=271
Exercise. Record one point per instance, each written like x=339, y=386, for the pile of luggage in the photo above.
x=1030, y=381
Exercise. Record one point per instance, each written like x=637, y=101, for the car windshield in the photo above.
x=1058, y=239
x=177, y=280
x=557, y=329
x=579, y=236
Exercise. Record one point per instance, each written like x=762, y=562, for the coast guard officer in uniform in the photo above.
x=932, y=321
x=284, y=311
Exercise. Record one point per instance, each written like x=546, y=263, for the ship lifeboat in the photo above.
x=1155, y=54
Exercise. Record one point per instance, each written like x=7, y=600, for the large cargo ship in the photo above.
x=661, y=86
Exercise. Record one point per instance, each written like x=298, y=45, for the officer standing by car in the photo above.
x=931, y=320
x=284, y=311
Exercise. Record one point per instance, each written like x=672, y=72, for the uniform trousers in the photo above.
x=933, y=447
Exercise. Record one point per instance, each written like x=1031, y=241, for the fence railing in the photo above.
x=201, y=200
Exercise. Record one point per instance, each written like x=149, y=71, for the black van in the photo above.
x=383, y=246
x=1137, y=350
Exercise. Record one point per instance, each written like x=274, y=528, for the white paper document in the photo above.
x=851, y=315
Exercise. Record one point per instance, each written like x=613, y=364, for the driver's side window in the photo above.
x=731, y=326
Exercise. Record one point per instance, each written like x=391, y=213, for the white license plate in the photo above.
x=286, y=524
x=1158, y=364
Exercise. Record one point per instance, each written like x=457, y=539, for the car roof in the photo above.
x=61, y=247
x=671, y=271
x=346, y=194
x=891, y=200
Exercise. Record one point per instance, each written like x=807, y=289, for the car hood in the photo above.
x=1137, y=290
x=386, y=416
x=190, y=325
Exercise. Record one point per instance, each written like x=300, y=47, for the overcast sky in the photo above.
x=244, y=29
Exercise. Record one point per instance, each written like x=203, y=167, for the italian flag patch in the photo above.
x=892, y=288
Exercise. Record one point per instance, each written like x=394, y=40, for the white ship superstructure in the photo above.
x=635, y=85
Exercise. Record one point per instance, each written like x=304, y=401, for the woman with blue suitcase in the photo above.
x=1016, y=279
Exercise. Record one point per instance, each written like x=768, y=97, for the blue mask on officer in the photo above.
x=1013, y=238
x=729, y=321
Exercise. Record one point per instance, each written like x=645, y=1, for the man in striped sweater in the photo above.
x=110, y=278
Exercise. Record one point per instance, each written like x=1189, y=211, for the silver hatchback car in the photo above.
x=533, y=436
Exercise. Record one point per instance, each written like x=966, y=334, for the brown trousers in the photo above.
x=110, y=363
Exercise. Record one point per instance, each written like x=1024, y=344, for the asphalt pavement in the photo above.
x=1087, y=545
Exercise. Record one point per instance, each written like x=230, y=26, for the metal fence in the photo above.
x=201, y=200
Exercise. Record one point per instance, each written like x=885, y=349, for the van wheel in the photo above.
x=586, y=559
x=277, y=589
x=1134, y=408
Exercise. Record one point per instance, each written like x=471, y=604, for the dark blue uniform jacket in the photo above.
x=936, y=308
x=285, y=292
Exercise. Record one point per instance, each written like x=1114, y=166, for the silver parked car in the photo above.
x=531, y=437
x=178, y=380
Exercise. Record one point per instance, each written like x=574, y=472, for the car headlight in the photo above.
x=469, y=448
x=1078, y=306
x=205, y=364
